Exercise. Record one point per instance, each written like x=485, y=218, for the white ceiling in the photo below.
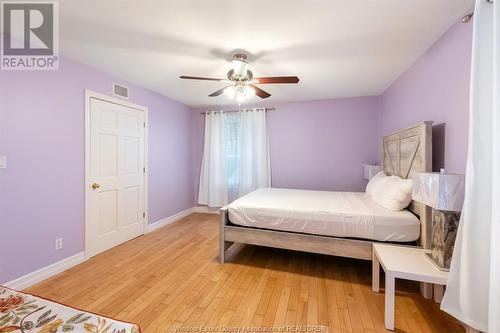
x=338, y=48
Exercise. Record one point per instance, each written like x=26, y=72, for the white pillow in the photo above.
x=393, y=193
x=375, y=184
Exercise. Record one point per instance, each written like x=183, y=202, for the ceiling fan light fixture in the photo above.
x=230, y=92
x=244, y=93
x=240, y=98
x=240, y=93
x=248, y=91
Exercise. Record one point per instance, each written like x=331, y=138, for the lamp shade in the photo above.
x=441, y=191
x=370, y=170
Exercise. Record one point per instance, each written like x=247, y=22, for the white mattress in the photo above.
x=339, y=214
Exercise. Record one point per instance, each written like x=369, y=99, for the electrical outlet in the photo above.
x=59, y=243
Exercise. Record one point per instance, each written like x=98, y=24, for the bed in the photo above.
x=335, y=223
x=323, y=213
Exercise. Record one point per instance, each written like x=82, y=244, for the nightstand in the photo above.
x=402, y=262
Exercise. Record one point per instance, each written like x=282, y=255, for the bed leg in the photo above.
x=223, y=247
x=221, y=255
x=426, y=290
x=223, y=244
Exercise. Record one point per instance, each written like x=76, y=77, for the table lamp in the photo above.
x=370, y=170
x=444, y=192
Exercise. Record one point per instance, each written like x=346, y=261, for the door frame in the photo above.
x=89, y=94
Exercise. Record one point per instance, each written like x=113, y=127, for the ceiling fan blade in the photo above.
x=276, y=79
x=259, y=92
x=200, y=78
x=218, y=92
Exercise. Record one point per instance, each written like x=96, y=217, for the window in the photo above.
x=235, y=156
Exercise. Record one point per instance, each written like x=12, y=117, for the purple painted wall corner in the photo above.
x=436, y=87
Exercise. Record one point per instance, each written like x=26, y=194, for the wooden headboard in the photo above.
x=404, y=153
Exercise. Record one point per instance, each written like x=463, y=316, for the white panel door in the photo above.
x=116, y=175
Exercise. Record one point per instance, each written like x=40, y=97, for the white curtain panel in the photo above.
x=233, y=154
x=473, y=291
x=255, y=170
x=213, y=189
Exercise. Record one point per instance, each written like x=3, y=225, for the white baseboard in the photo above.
x=206, y=210
x=46, y=272
x=171, y=219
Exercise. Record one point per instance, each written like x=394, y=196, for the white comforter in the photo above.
x=339, y=214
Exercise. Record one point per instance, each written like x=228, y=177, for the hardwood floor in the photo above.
x=171, y=279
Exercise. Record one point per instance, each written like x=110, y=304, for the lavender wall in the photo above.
x=318, y=145
x=436, y=88
x=321, y=145
x=42, y=133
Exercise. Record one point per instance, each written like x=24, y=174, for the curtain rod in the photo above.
x=205, y=112
x=467, y=18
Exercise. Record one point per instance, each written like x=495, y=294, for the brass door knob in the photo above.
x=95, y=186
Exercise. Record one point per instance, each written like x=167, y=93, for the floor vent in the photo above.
x=120, y=91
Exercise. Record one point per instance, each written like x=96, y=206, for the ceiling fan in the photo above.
x=243, y=84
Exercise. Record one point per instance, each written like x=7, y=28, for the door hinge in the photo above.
x=144, y=124
x=144, y=170
x=143, y=215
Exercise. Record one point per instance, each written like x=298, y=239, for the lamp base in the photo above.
x=441, y=268
x=444, y=232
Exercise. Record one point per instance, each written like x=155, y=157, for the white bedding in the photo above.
x=339, y=214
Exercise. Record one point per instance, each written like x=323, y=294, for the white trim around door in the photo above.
x=89, y=95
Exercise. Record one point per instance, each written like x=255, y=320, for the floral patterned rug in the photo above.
x=24, y=313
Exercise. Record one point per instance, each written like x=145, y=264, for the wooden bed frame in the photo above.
x=403, y=153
